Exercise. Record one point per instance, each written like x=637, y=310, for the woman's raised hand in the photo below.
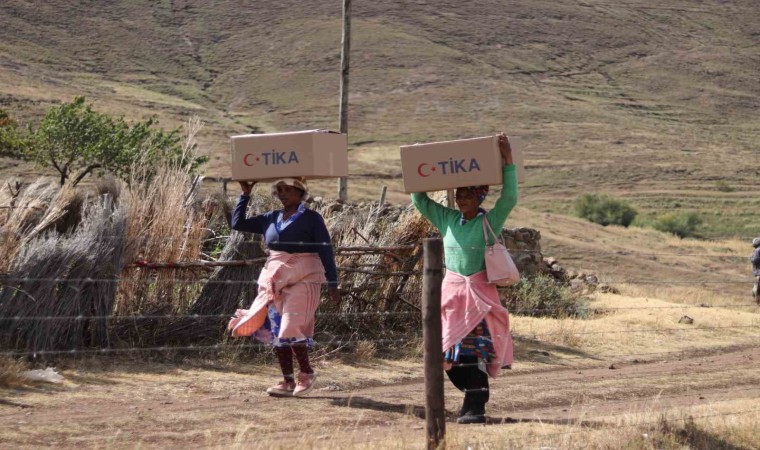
x=505, y=148
x=246, y=186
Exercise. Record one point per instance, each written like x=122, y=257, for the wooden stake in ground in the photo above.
x=343, y=113
x=431, y=335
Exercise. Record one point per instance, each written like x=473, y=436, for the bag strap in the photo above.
x=487, y=228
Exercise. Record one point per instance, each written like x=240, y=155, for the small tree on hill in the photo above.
x=10, y=138
x=78, y=141
x=682, y=225
x=604, y=210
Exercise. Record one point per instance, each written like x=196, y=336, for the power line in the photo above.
x=176, y=348
x=342, y=342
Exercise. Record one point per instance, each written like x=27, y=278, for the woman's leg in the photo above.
x=478, y=391
x=459, y=376
x=306, y=377
x=302, y=356
x=285, y=358
x=468, y=377
x=286, y=387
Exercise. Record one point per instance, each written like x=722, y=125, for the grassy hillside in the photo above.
x=651, y=100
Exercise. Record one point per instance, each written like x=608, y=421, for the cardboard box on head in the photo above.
x=308, y=154
x=518, y=156
x=451, y=164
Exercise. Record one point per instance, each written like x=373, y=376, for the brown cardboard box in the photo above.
x=518, y=157
x=447, y=165
x=308, y=154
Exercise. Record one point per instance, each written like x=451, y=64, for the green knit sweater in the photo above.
x=464, y=245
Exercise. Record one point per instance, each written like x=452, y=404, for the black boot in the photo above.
x=465, y=407
x=473, y=410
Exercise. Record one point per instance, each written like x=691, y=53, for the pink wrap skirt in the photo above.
x=291, y=282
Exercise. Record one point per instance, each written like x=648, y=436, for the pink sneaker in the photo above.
x=305, y=384
x=282, y=389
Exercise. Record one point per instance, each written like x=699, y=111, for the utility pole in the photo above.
x=344, y=65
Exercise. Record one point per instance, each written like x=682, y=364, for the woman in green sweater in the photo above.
x=476, y=337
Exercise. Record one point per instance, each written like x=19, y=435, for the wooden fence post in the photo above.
x=344, y=69
x=431, y=335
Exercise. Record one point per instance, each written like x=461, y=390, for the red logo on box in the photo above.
x=450, y=167
x=271, y=158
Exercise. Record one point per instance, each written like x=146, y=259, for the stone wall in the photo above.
x=524, y=245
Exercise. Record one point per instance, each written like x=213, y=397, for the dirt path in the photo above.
x=209, y=408
x=569, y=394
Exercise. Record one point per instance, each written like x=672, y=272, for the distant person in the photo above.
x=300, y=259
x=755, y=259
x=476, y=338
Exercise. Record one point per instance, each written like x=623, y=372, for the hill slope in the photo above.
x=651, y=100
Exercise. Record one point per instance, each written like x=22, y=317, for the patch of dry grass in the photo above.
x=12, y=372
x=638, y=326
x=717, y=426
x=689, y=295
x=721, y=426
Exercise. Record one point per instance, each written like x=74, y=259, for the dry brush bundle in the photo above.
x=31, y=207
x=166, y=224
x=63, y=213
x=9, y=193
x=162, y=226
x=227, y=288
x=58, y=277
x=381, y=289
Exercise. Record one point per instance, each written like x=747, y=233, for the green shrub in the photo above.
x=681, y=224
x=604, y=210
x=723, y=186
x=543, y=296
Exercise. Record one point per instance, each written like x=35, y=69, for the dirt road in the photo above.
x=205, y=408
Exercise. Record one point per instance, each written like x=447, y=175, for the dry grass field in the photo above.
x=651, y=101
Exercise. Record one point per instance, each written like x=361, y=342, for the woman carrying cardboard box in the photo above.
x=476, y=337
x=300, y=259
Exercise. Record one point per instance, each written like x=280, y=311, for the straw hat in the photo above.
x=295, y=182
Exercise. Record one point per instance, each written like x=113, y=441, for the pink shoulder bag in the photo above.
x=500, y=269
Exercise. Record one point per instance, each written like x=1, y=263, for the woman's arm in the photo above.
x=326, y=252
x=432, y=210
x=255, y=224
x=508, y=199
